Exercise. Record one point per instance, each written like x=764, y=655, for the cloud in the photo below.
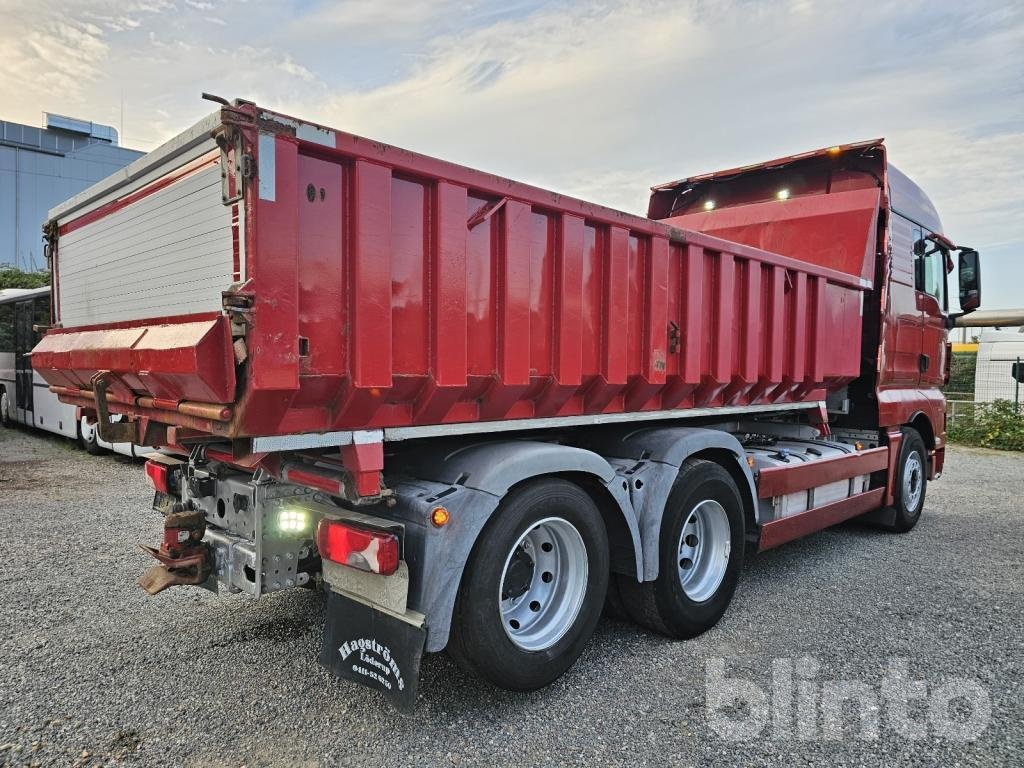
x=599, y=100
x=380, y=20
x=49, y=51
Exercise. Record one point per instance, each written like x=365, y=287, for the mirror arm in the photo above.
x=942, y=241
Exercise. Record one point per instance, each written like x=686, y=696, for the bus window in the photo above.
x=7, y=328
x=41, y=315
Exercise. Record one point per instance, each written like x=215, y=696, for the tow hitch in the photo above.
x=184, y=558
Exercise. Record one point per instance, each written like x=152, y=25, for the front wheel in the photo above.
x=911, y=482
x=533, y=588
x=700, y=555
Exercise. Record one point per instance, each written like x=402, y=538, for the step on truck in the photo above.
x=476, y=413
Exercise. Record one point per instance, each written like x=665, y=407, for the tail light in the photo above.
x=358, y=547
x=159, y=476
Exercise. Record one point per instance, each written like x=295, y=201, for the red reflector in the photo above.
x=157, y=474
x=356, y=547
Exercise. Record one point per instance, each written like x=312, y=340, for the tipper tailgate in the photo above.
x=183, y=361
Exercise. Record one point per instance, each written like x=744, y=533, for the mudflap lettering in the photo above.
x=374, y=649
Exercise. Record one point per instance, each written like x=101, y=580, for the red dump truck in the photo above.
x=475, y=412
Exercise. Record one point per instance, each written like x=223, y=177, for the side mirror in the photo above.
x=1017, y=372
x=970, y=280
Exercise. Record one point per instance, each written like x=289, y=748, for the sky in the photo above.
x=598, y=100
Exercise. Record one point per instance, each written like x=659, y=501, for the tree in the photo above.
x=12, y=277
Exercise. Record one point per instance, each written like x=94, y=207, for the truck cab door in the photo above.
x=933, y=304
x=901, y=340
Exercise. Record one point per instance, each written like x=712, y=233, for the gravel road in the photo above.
x=96, y=673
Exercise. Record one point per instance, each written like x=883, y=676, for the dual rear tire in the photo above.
x=701, y=554
x=534, y=587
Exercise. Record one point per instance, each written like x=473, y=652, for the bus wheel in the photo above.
x=533, y=588
x=88, y=437
x=700, y=555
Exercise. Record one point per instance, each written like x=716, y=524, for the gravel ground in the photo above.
x=94, y=672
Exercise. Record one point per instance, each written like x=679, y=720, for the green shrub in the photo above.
x=990, y=425
x=961, y=374
x=12, y=277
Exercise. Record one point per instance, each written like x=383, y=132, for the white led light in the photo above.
x=783, y=194
x=291, y=520
x=709, y=205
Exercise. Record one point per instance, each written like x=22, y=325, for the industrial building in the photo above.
x=40, y=167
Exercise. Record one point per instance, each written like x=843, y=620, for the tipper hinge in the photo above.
x=238, y=307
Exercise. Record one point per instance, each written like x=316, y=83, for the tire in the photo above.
x=911, y=483
x=699, y=566
x=614, y=605
x=87, y=437
x=513, y=625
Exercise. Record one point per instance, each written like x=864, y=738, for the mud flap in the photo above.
x=373, y=648
x=883, y=516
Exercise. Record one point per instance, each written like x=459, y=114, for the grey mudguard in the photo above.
x=470, y=483
x=638, y=467
x=653, y=456
x=497, y=466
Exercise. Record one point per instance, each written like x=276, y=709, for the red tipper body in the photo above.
x=263, y=276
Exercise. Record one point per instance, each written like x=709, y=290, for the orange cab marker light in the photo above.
x=439, y=517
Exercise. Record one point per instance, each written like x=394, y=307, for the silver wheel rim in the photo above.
x=913, y=475
x=703, y=553
x=543, y=584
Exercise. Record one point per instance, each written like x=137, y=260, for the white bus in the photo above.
x=24, y=396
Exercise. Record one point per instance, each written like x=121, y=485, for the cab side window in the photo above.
x=929, y=267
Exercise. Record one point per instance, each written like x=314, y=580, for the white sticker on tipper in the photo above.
x=317, y=135
x=267, y=171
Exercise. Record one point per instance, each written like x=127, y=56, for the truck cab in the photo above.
x=842, y=207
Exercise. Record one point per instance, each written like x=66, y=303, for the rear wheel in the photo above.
x=88, y=437
x=700, y=555
x=533, y=588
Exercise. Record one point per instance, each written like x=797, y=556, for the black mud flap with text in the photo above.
x=373, y=648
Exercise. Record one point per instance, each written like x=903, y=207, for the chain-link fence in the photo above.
x=983, y=401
